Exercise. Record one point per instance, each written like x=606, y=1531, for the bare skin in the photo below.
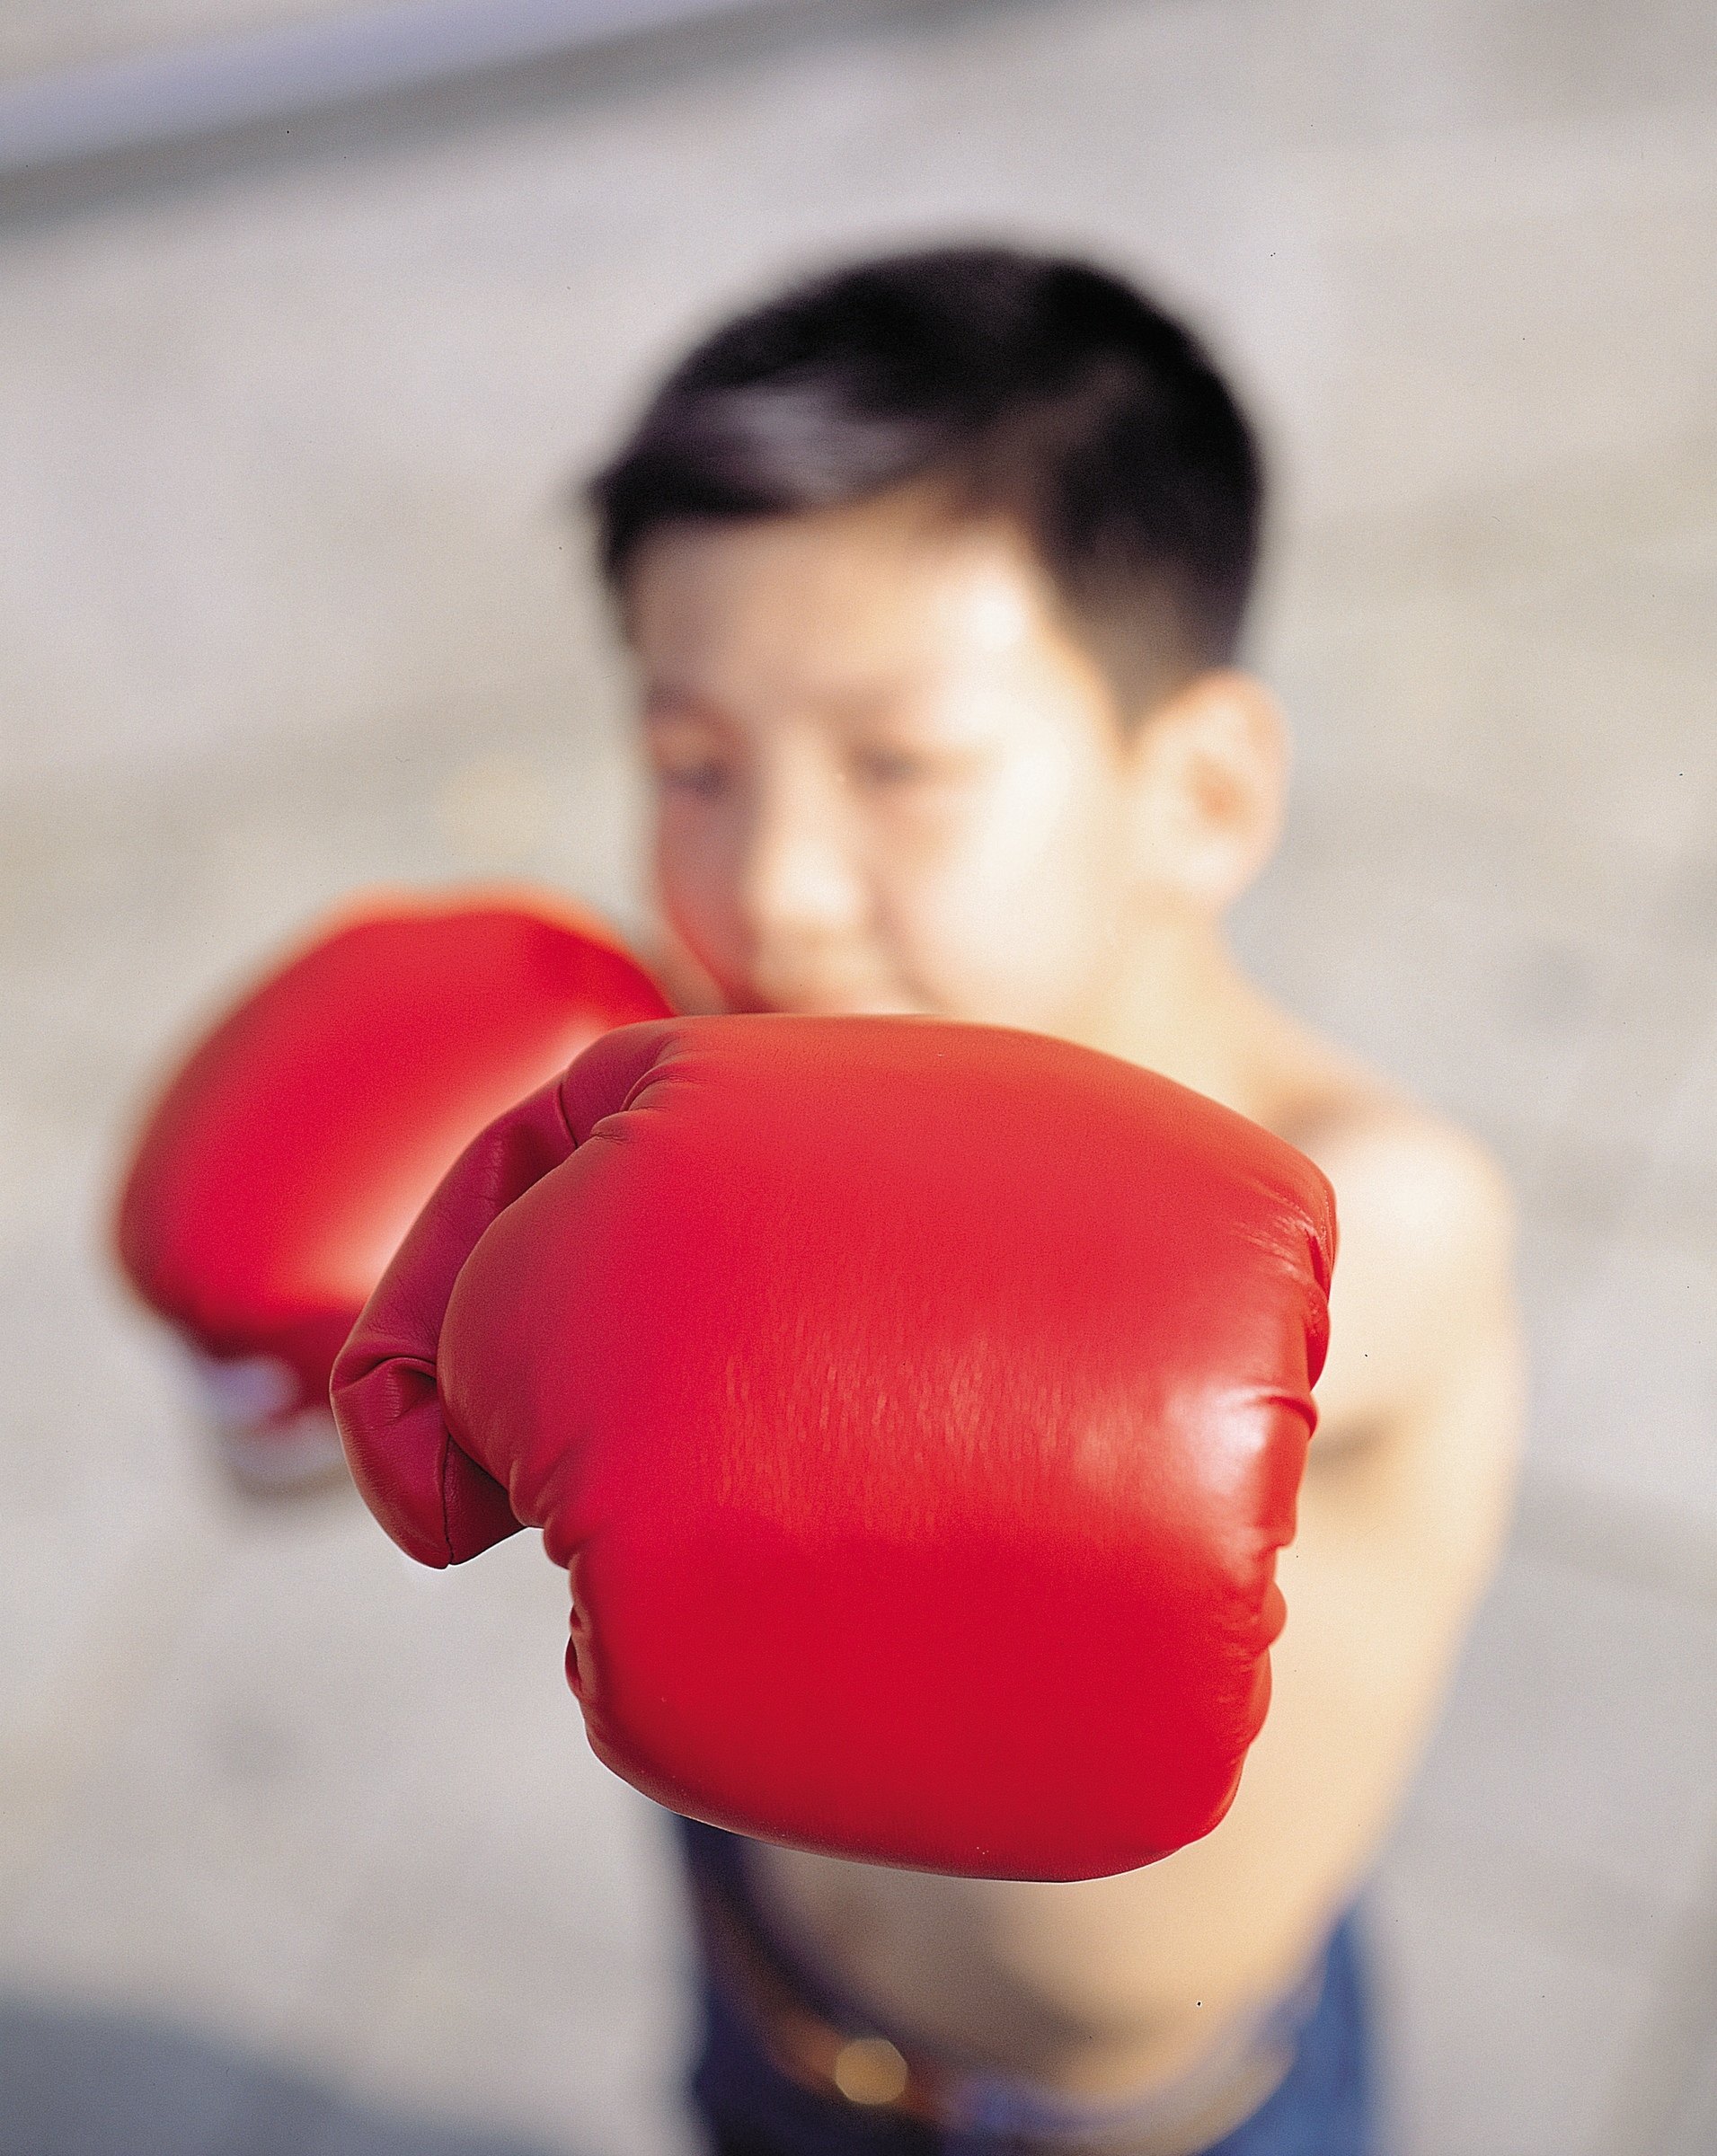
x=889, y=777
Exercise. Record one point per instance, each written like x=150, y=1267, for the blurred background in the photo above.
x=307, y=317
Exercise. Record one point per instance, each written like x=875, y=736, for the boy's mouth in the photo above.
x=820, y=1000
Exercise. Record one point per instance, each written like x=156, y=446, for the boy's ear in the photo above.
x=1209, y=785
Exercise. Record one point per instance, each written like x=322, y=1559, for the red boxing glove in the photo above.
x=286, y=1157
x=919, y=1409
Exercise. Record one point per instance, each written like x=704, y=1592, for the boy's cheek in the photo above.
x=699, y=901
x=1017, y=925
x=993, y=952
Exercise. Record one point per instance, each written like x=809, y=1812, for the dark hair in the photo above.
x=1039, y=389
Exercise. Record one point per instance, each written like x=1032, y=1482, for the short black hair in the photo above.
x=1033, y=387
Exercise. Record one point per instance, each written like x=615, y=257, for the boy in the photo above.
x=933, y=572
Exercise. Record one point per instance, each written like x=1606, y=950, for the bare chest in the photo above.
x=1099, y=1987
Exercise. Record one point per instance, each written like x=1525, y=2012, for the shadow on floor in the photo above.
x=86, y=2081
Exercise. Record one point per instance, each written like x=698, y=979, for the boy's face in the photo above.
x=888, y=778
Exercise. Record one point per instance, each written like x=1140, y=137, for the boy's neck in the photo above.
x=1181, y=1005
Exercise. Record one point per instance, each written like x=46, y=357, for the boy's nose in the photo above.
x=801, y=888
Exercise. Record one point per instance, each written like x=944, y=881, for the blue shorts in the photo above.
x=1324, y=2107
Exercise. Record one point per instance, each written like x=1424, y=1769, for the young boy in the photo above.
x=933, y=572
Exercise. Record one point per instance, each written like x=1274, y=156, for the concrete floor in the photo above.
x=300, y=1850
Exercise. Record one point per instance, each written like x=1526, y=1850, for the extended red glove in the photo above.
x=287, y=1155
x=919, y=1409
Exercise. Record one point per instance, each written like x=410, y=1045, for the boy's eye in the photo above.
x=892, y=767
x=704, y=777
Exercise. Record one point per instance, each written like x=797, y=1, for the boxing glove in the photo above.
x=287, y=1156
x=917, y=1409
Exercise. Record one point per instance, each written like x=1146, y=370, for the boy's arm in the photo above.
x=1410, y=1480
x=1404, y=1504
x=1421, y=1402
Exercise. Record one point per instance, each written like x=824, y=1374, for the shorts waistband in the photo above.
x=820, y=2045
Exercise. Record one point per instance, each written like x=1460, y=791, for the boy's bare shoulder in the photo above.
x=1424, y=1276
x=1427, y=1178
x=1403, y=1174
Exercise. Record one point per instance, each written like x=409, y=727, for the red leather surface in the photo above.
x=276, y=1172
x=919, y=1409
